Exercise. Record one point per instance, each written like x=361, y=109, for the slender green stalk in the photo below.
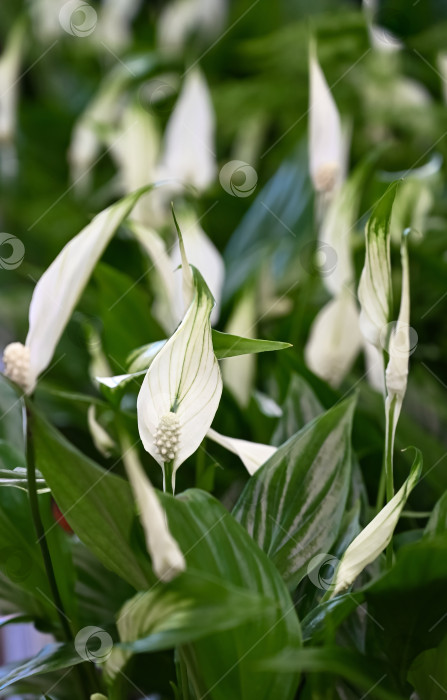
x=46, y=556
x=389, y=464
x=167, y=477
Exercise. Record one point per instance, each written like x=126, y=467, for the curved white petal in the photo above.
x=167, y=558
x=101, y=438
x=203, y=254
x=184, y=379
x=252, y=454
x=166, y=301
x=58, y=290
x=375, y=537
x=239, y=372
x=326, y=146
x=375, y=369
x=335, y=339
x=396, y=374
x=113, y=28
x=188, y=153
x=9, y=81
x=180, y=18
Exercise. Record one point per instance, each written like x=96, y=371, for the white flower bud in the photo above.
x=16, y=358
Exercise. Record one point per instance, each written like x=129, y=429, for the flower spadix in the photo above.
x=57, y=293
x=326, y=144
x=375, y=537
x=166, y=555
x=182, y=388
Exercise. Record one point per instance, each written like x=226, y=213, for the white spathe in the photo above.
x=375, y=537
x=203, y=254
x=326, y=143
x=396, y=374
x=59, y=288
x=188, y=151
x=114, y=23
x=239, y=372
x=166, y=555
x=181, y=391
x=252, y=454
x=334, y=339
x=181, y=18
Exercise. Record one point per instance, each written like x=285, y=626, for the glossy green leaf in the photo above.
x=222, y=664
x=51, y=658
x=428, y=673
x=227, y=345
x=300, y=406
x=98, y=505
x=365, y=672
x=294, y=504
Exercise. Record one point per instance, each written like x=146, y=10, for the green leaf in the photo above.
x=227, y=345
x=437, y=523
x=428, y=673
x=300, y=406
x=293, y=505
x=51, y=658
x=222, y=664
x=365, y=672
x=190, y=607
x=98, y=505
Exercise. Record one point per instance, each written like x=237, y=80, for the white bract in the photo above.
x=188, y=151
x=9, y=81
x=101, y=438
x=181, y=18
x=252, y=454
x=114, y=22
x=239, y=372
x=181, y=391
x=375, y=283
x=326, y=146
x=166, y=555
x=376, y=536
x=57, y=293
x=335, y=339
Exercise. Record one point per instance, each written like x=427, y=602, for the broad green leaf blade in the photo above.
x=294, y=504
x=98, y=505
x=227, y=345
x=213, y=542
x=375, y=292
x=300, y=406
x=51, y=658
x=367, y=673
x=376, y=535
x=428, y=673
x=193, y=606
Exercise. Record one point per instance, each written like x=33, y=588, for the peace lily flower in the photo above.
x=188, y=151
x=57, y=292
x=376, y=536
x=167, y=558
x=239, y=372
x=181, y=391
x=335, y=339
x=113, y=28
x=181, y=18
x=326, y=144
x=252, y=454
x=375, y=282
x=396, y=375
x=9, y=83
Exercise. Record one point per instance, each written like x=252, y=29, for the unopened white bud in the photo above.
x=326, y=177
x=16, y=358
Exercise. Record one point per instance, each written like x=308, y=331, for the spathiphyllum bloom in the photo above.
x=375, y=283
x=57, y=292
x=396, y=375
x=182, y=18
x=115, y=17
x=375, y=537
x=188, y=152
x=166, y=555
x=335, y=339
x=326, y=145
x=181, y=391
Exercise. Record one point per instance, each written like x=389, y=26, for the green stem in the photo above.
x=168, y=471
x=389, y=467
x=46, y=556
